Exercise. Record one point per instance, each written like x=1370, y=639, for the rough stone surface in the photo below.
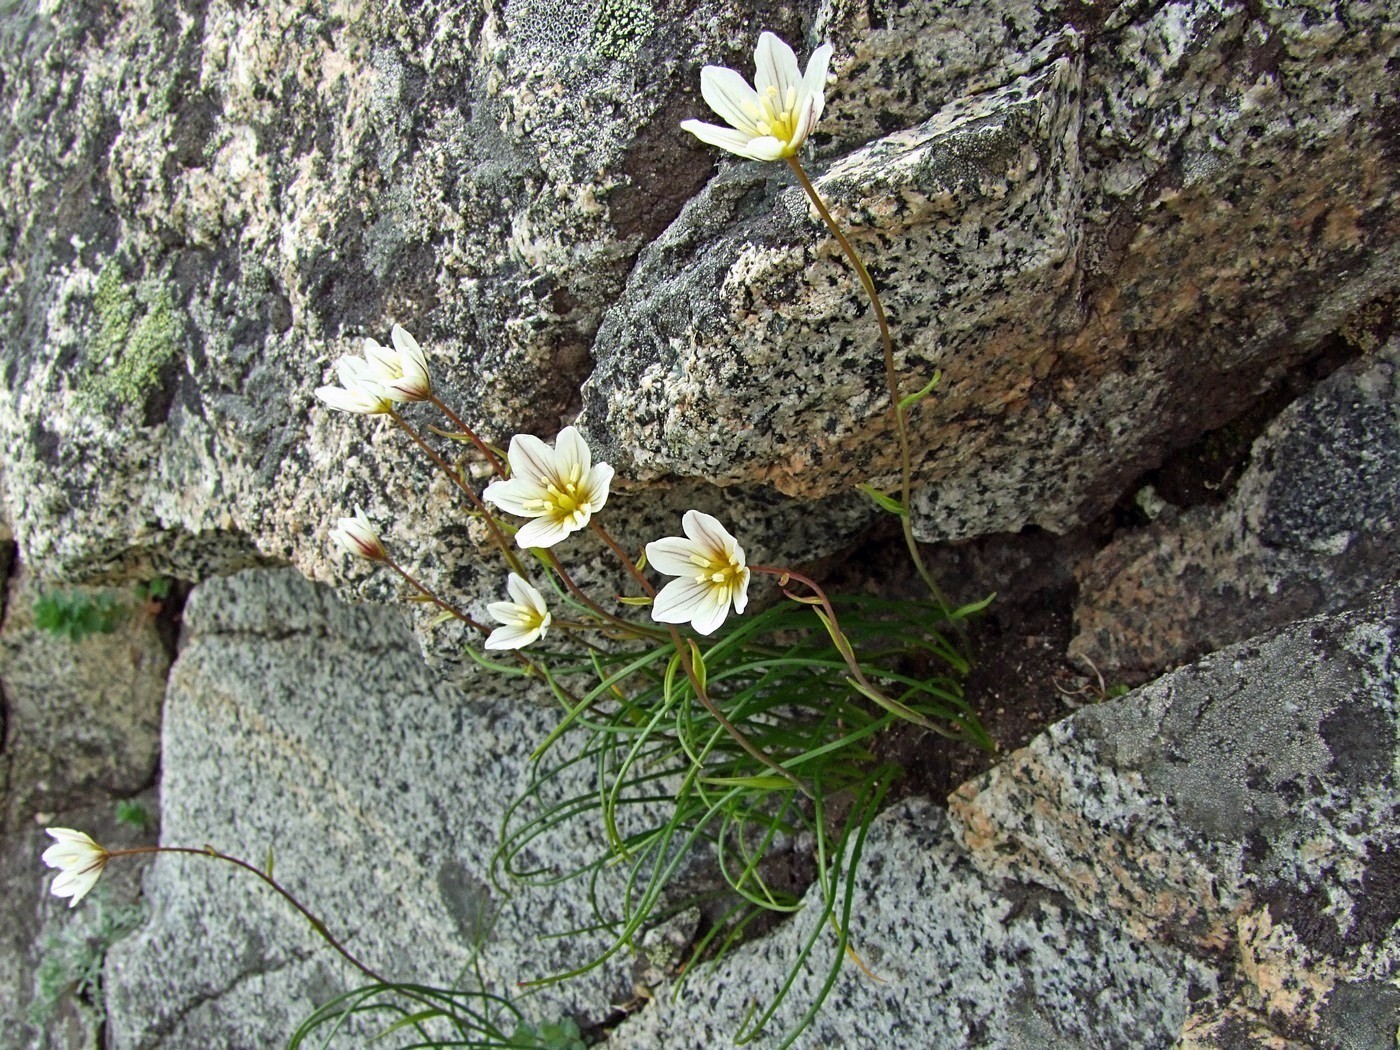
x=1241, y=810
x=45, y=947
x=81, y=718
x=963, y=960
x=1108, y=226
x=302, y=726
x=1313, y=522
x=1080, y=236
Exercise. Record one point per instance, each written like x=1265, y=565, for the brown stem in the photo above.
x=623, y=557
x=441, y=603
x=491, y=524
x=316, y=923
x=471, y=435
x=729, y=727
x=688, y=666
x=897, y=413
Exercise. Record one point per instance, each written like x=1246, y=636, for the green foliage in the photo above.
x=71, y=962
x=157, y=588
x=133, y=814
x=670, y=785
x=551, y=1035
x=75, y=615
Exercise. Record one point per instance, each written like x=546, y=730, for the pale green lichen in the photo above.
x=137, y=336
x=622, y=27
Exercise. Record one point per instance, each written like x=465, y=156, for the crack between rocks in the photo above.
x=161, y=1031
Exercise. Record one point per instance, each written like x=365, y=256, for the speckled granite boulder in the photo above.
x=1241, y=810
x=313, y=729
x=1109, y=226
x=963, y=960
x=1313, y=523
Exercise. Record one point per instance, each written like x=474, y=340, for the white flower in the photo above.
x=80, y=862
x=559, y=487
x=359, y=537
x=523, y=619
x=359, y=391
x=712, y=571
x=773, y=121
x=403, y=370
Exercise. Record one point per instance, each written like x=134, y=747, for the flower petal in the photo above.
x=515, y=496
x=383, y=362
x=766, y=147
x=814, y=80
x=599, y=478
x=708, y=533
x=406, y=345
x=741, y=594
x=729, y=95
x=531, y=459
x=681, y=600
x=712, y=612
x=724, y=138
x=543, y=531
x=353, y=401
x=570, y=451
x=774, y=65
x=525, y=595
x=510, y=636
x=671, y=555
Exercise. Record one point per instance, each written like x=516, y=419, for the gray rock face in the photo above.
x=1313, y=523
x=1241, y=810
x=1088, y=220
x=301, y=726
x=82, y=718
x=963, y=959
x=81, y=723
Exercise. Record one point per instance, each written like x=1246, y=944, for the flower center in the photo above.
x=527, y=619
x=775, y=114
x=717, y=570
x=566, y=498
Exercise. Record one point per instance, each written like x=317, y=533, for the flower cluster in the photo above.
x=373, y=384
x=558, y=488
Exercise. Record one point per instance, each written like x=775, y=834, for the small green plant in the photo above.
x=75, y=615
x=156, y=589
x=133, y=814
x=71, y=963
x=550, y=1035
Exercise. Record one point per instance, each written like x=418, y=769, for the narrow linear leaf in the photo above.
x=886, y=502
x=910, y=400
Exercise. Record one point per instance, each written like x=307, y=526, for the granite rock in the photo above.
x=1313, y=523
x=1241, y=810
x=1088, y=218
x=81, y=718
x=962, y=959
x=313, y=731
x=51, y=993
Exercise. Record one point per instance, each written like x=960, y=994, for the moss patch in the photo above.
x=137, y=336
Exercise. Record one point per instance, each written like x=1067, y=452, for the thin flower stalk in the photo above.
x=497, y=536
x=471, y=435
x=436, y=599
x=74, y=847
x=897, y=409
x=826, y=612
